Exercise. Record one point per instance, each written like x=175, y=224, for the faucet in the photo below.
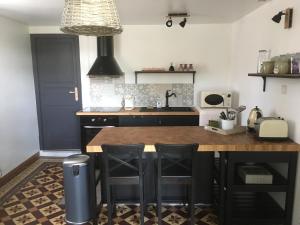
x=168, y=96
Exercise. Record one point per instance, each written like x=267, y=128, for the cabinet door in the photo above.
x=138, y=121
x=178, y=121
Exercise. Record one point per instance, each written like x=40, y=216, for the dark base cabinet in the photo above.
x=250, y=204
x=142, y=121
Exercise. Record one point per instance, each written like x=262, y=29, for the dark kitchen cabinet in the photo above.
x=250, y=204
x=90, y=126
x=139, y=121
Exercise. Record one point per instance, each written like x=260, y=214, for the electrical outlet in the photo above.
x=284, y=89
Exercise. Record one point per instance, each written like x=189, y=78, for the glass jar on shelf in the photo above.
x=263, y=56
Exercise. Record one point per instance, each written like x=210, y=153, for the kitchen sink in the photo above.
x=167, y=109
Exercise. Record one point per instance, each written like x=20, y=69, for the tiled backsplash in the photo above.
x=106, y=93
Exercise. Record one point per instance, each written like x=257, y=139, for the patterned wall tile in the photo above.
x=106, y=93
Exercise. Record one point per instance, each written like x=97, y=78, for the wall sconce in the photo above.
x=288, y=13
x=169, y=22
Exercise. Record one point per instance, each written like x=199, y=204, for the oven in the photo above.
x=92, y=125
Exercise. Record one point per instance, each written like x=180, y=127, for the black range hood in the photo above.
x=105, y=64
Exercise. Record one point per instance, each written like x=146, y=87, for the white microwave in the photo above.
x=215, y=99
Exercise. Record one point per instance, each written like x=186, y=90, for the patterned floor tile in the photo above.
x=40, y=201
x=59, y=220
x=31, y=193
x=15, y=209
x=174, y=218
x=28, y=185
x=122, y=209
x=44, y=180
x=24, y=219
x=11, y=200
x=37, y=197
x=49, y=210
x=135, y=219
x=210, y=219
x=53, y=186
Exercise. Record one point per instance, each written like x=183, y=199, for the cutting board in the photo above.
x=236, y=130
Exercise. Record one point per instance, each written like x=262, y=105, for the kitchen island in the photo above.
x=236, y=202
x=208, y=141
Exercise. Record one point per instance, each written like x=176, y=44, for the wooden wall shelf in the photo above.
x=265, y=76
x=167, y=72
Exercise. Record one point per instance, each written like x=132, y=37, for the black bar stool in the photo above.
x=175, y=166
x=123, y=165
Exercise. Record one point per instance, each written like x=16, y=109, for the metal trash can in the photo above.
x=77, y=189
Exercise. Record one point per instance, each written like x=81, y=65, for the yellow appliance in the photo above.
x=271, y=128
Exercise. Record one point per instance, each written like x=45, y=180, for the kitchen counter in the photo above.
x=133, y=112
x=233, y=195
x=207, y=140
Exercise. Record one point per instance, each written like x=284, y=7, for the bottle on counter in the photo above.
x=158, y=103
x=171, y=68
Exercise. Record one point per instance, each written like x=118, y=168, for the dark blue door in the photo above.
x=58, y=90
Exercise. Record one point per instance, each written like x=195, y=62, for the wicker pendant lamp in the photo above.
x=91, y=18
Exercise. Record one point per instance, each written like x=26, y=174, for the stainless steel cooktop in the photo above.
x=102, y=109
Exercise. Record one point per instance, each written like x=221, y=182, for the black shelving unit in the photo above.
x=265, y=76
x=238, y=203
x=163, y=72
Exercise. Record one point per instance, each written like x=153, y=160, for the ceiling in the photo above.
x=48, y=12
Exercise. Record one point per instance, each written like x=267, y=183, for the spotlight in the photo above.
x=169, y=22
x=182, y=23
x=277, y=17
x=288, y=14
x=171, y=16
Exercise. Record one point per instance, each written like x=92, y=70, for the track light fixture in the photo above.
x=277, y=17
x=169, y=22
x=183, y=22
x=288, y=13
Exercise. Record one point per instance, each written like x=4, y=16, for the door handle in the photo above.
x=75, y=92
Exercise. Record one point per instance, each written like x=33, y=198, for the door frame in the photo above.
x=33, y=38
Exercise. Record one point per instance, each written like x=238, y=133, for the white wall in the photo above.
x=208, y=47
x=18, y=127
x=257, y=31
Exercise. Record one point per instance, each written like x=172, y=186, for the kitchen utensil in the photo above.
x=223, y=116
x=240, y=109
x=231, y=115
x=254, y=115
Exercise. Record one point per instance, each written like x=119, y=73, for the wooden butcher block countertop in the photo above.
x=207, y=140
x=136, y=112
